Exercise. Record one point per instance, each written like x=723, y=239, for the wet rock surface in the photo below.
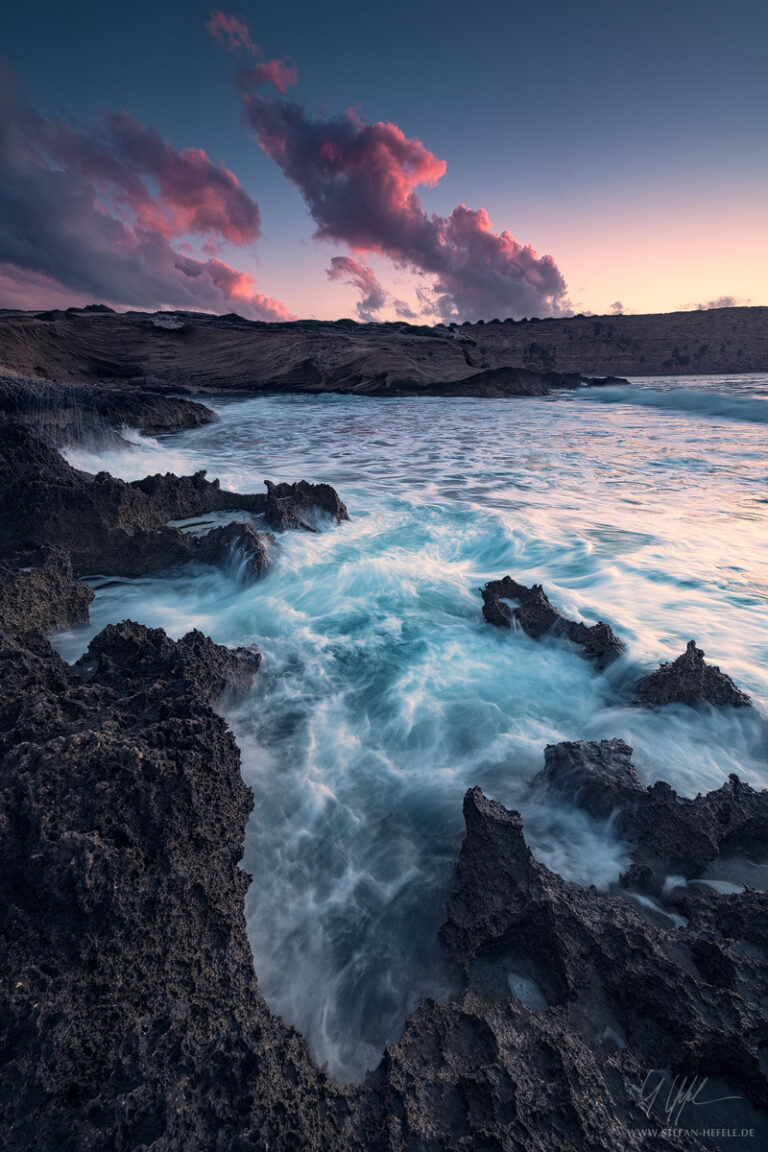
x=110, y=527
x=690, y=680
x=72, y=413
x=667, y=834
x=604, y=999
x=132, y=1016
x=45, y=598
x=295, y=505
x=537, y=616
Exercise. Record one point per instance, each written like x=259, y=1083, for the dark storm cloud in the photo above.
x=77, y=216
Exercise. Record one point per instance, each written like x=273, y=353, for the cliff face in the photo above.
x=673, y=343
x=223, y=353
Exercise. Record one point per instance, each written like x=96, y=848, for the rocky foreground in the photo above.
x=132, y=1016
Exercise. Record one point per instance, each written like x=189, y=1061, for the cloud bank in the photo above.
x=91, y=213
x=359, y=182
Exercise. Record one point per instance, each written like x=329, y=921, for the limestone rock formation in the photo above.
x=187, y=350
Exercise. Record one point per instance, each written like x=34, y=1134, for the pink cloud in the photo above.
x=191, y=195
x=231, y=32
x=359, y=182
x=275, y=72
x=79, y=221
x=362, y=277
x=240, y=287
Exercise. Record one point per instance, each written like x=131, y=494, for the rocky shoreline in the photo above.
x=133, y=1017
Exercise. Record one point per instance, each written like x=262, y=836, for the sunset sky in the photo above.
x=314, y=159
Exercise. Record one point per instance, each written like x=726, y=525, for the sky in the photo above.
x=434, y=162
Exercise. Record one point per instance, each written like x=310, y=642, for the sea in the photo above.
x=384, y=695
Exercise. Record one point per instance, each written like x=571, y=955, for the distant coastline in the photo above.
x=196, y=351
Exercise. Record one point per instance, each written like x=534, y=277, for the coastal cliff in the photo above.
x=191, y=351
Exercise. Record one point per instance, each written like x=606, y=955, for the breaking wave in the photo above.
x=716, y=405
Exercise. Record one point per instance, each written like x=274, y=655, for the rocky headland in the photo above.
x=154, y=353
x=132, y=1016
x=174, y=351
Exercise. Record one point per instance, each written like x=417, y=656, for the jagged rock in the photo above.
x=235, y=539
x=111, y=527
x=67, y=414
x=101, y=521
x=690, y=680
x=537, y=616
x=666, y=833
x=292, y=505
x=134, y=1019
x=123, y=654
x=601, y=997
x=484, y=902
x=131, y=1016
x=45, y=598
x=599, y=776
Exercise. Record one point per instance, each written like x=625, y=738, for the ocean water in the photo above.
x=384, y=695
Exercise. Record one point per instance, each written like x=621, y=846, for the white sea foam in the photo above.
x=384, y=696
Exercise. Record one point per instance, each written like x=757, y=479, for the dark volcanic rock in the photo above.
x=690, y=680
x=601, y=997
x=537, y=616
x=292, y=505
x=132, y=1017
x=107, y=525
x=123, y=655
x=666, y=833
x=111, y=527
x=599, y=776
x=236, y=540
x=45, y=598
x=484, y=901
x=497, y=383
x=73, y=413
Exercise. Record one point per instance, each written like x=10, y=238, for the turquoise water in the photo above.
x=384, y=695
